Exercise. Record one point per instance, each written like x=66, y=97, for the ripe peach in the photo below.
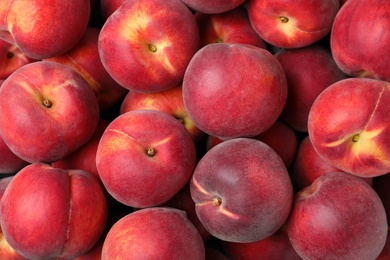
x=339, y=216
x=242, y=190
x=159, y=39
x=348, y=126
x=52, y=213
x=234, y=90
x=145, y=157
x=37, y=28
x=154, y=233
x=47, y=110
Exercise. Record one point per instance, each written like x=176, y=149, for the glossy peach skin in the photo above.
x=309, y=70
x=234, y=90
x=145, y=157
x=212, y=6
x=242, y=190
x=154, y=233
x=84, y=58
x=38, y=29
x=338, y=217
x=229, y=27
x=360, y=39
x=292, y=24
x=47, y=110
x=6, y=251
x=159, y=39
x=348, y=126
x=280, y=137
x=12, y=58
x=51, y=213
x=169, y=101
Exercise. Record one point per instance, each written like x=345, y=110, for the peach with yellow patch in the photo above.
x=348, y=126
x=292, y=24
x=159, y=39
x=145, y=157
x=37, y=28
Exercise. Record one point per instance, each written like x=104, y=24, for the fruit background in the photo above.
x=194, y=129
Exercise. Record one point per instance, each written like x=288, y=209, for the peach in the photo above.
x=145, y=157
x=37, y=28
x=212, y=6
x=242, y=190
x=309, y=70
x=381, y=186
x=47, y=110
x=159, y=39
x=52, y=213
x=360, y=39
x=12, y=58
x=169, y=101
x=292, y=24
x=339, y=216
x=226, y=100
x=229, y=27
x=84, y=58
x=348, y=126
x=154, y=233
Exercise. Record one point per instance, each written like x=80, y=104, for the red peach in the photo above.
x=36, y=27
x=296, y=24
x=348, y=126
x=159, y=39
x=145, y=157
x=47, y=110
x=242, y=190
x=234, y=90
x=154, y=233
x=52, y=213
x=339, y=216
x=212, y=6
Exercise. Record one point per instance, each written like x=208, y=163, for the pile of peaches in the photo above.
x=194, y=129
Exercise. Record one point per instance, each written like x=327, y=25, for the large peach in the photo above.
x=309, y=70
x=234, y=90
x=47, y=110
x=158, y=39
x=292, y=24
x=169, y=101
x=360, y=39
x=154, y=233
x=339, y=216
x=52, y=213
x=84, y=58
x=348, y=126
x=37, y=27
x=242, y=190
x=145, y=157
